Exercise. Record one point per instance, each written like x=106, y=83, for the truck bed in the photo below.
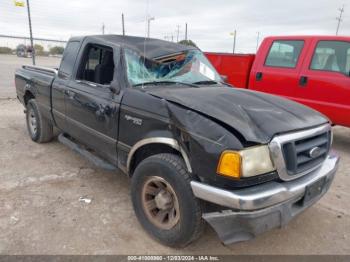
x=236, y=67
x=37, y=81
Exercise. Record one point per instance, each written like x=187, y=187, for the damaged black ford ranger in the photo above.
x=195, y=148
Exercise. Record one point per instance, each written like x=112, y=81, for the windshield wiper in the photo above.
x=211, y=82
x=166, y=82
x=206, y=82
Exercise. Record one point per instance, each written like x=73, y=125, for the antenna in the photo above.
x=147, y=35
x=339, y=18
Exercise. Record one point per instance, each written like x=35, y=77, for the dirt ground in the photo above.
x=40, y=211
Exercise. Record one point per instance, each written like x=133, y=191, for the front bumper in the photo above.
x=254, y=210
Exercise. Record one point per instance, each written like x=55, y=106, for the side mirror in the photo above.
x=114, y=88
x=224, y=78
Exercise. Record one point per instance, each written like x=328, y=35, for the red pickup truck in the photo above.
x=312, y=70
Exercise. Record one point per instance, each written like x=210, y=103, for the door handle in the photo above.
x=303, y=81
x=258, y=76
x=70, y=94
x=103, y=110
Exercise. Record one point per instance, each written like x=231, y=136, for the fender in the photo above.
x=159, y=140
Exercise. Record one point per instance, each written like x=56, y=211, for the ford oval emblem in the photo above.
x=315, y=152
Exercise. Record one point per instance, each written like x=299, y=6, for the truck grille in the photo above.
x=298, y=154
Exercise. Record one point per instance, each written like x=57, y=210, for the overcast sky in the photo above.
x=209, y=21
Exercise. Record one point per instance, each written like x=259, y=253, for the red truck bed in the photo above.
x=235, y=67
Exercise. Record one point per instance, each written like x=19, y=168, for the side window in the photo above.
x=68, y=59
x=284, y=53
x=348, y=62
x=332, y=56
x=97, y=65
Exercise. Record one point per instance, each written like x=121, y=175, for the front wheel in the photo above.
x=164, y=202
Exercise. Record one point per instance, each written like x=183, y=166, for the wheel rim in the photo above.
x=32, y=122
x=160, y=203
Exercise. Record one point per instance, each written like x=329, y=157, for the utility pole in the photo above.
x=149, y=19
x=257, y=41
x=123, y=24
x=169, y=38
x=103, y=28
x=234, y=41
x=178, y=33
x=186, y=32
x=31, y=33
x=339, y=18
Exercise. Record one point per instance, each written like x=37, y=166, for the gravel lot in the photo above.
x=40, y=211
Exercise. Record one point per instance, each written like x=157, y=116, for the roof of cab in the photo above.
x=148, y=47
x=308, y=37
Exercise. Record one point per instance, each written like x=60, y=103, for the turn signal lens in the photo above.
x=230, y=164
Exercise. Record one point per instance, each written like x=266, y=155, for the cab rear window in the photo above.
x=68, y=59
x=284, y=53
x=333, y=56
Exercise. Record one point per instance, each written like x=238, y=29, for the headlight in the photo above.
x=245, y=163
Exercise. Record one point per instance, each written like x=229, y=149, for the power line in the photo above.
x=34, y=38
x=339, y=18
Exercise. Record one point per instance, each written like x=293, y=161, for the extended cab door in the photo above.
x=92, y=108
x=277, y=66
x=325, y=80
x=60, y=83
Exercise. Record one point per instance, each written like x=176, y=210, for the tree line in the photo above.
x=39, y=50
x=56, y=50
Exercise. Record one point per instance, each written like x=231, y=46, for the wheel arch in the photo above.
x=155, y=145
x=28, y=94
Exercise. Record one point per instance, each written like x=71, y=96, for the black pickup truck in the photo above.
x=194, y=148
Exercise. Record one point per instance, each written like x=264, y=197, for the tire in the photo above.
x=179, y=228
x=39, y=128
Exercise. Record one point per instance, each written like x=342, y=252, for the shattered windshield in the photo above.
x=188, y=67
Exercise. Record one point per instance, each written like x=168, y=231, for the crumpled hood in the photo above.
x=255, y=115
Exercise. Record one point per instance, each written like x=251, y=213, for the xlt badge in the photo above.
x=135, y=120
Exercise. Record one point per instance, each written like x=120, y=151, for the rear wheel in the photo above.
x=40, y=129
x=164, y=202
